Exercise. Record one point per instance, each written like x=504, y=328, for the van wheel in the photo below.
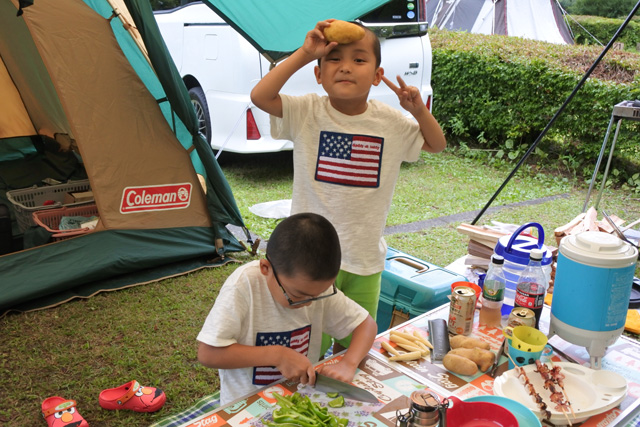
x=199, y=103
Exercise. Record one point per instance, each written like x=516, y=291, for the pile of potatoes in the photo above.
x=467, y=355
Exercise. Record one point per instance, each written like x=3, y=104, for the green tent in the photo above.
x=90, y=97
x=283, y=24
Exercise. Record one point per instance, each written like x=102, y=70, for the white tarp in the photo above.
x=532, y=19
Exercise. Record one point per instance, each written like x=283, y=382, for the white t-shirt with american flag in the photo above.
x=346, y=168
x=245, y=313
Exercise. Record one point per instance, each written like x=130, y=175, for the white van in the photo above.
x=220, y=67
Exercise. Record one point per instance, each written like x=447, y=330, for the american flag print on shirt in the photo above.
x=297, y=339
x=348, y=159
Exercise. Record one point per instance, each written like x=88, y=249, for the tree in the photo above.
x=605, y=8
x=567, y=5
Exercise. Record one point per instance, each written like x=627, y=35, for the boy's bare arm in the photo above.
x=434, y=140
x=266, y=94
x=410, y=100
x=361, y=341
x=291, y=364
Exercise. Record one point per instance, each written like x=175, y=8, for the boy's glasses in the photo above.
x=304, y=301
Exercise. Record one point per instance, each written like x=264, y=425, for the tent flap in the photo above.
x=52, y=271
x=283, y=25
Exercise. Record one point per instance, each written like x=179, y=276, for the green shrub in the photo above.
x=498, y=93
x=586, y=28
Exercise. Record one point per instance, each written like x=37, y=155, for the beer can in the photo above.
x=521, y=316
x=461, y=310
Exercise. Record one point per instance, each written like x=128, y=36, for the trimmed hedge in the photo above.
x=500, y=92
x=603, y=29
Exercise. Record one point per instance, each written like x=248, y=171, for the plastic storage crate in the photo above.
x=409, y=287
x=25, y=201
x=49, y=219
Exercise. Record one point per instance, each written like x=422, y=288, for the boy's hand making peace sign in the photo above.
x=409, y=96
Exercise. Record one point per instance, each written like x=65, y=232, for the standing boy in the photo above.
x=348, y=150
x=266, y=325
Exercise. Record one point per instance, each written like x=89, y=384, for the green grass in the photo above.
x=148, y=332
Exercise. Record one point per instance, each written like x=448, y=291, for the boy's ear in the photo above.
x=378, y=76
x=264, y=267
x=316, y=71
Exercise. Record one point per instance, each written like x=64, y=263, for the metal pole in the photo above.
x=560, y=110
x=595, y=171
x=606, y=168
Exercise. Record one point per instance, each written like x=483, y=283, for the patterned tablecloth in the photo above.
x=392, y=383
x=623, y=357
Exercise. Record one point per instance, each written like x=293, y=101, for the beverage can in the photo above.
x=521, y=316
x=461, y=310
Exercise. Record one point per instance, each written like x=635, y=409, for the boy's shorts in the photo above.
x=365, y=290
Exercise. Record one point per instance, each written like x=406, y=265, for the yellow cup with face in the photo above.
x=525, y=338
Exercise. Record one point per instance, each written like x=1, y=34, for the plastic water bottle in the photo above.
x=493, y=293
x=532, y=285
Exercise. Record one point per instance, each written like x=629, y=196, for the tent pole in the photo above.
x=555, y=116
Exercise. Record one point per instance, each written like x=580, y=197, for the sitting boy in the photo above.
x=266, y=325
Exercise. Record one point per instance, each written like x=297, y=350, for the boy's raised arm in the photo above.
x=410, y=100
x=266, y=94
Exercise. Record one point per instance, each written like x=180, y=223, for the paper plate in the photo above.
x=590, y=392
x=524, y=415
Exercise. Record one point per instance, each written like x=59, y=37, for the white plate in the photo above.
x=590, y=392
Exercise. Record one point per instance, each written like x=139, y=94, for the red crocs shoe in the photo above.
x=132, y=396
x=59, y=412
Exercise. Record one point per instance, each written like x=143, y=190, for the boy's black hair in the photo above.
x=377, y=51
x=306, y=244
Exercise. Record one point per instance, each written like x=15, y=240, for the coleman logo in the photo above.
x=155, y=198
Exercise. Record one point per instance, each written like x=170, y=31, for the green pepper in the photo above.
x=270, y=424
x=338, y=402
x=283, y=401
x=333, y=394
x=338, y=422
x=299, y=411
x=293, y=415
x=319, y=412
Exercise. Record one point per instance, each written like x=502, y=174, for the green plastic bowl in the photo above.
x=524, y=415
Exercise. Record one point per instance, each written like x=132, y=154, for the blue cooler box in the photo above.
x=411, y=286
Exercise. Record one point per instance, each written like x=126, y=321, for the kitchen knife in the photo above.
x=494, y=367
x=439, y=337
x=327, y=385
